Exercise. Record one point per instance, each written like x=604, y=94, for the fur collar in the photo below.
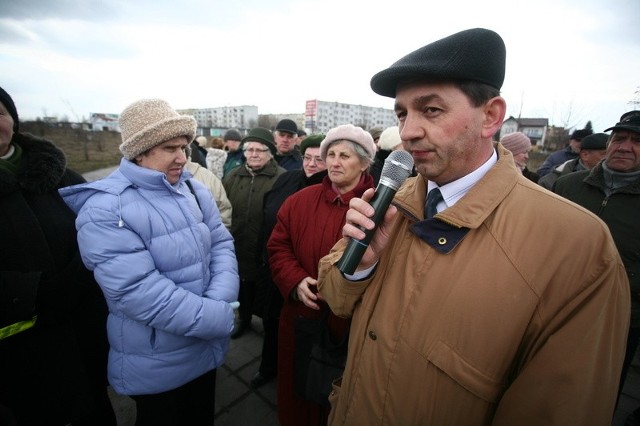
x=43, y=166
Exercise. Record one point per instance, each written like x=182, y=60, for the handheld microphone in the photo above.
x=397, y=168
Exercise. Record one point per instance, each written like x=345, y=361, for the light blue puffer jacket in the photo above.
x=168, y=270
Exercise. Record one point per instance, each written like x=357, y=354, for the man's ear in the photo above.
x=494, y=112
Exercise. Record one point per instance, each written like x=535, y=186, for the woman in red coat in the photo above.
x=309, y=223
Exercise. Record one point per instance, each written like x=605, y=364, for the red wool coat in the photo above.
x=309, y=223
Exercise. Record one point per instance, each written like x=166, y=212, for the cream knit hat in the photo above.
x=351, y=133
x=516, y=142
x=149, y=122
x=389, y=138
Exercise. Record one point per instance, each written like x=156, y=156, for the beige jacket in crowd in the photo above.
x=214, y=184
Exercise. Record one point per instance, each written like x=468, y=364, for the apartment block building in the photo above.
x=321, y=116
x=228, y=117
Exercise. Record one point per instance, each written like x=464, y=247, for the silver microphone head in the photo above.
x=396, y=169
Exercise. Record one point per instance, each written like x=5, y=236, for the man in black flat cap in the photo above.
x=569, y=152
x=611, y=190
x=591, y=150
x=285, y=136
x=460, y=315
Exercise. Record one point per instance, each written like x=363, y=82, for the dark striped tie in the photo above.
x=433, y=198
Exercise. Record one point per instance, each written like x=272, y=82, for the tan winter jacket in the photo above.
x=215, y=187
x=514, y=313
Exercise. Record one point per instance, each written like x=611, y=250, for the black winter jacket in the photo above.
x=55, y=372
x=620, y=211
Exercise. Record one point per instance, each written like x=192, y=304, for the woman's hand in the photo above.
x=306, y=295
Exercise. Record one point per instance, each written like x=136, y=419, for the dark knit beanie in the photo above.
x=311, y=141
x=477, y=54
x=232, y=135
x=262, y=135
x=11, y=108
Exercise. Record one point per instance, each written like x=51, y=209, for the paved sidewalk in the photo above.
x=236, y=402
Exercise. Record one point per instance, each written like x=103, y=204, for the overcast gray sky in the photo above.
x=567, y=60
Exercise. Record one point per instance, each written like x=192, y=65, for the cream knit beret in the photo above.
x=516, y=142
x=351, y=133
x=149, y=122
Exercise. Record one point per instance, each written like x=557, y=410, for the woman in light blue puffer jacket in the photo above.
x=166, y=265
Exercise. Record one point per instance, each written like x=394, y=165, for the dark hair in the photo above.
x=478, y=93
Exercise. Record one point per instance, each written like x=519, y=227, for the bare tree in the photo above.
x=571, y=117
x=636, y=98
x=268, y=121
x=68, y=104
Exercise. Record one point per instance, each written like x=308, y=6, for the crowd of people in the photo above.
x=488, y=294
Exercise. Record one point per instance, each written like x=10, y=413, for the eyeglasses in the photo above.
x=255, y=150
x=308, y=159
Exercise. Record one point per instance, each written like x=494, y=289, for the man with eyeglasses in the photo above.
x=611, y=190
x=246, y=186
x=286, y=135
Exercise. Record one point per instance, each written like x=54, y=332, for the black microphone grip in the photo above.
x=355, y=249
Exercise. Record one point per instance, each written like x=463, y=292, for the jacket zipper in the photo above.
x=603, y=205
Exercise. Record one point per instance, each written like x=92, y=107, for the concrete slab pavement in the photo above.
x=237, y=403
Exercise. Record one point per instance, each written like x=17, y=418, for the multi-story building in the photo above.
x=212, y=121
x=321, y=116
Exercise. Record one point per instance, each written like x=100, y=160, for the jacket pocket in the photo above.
x=466, y=375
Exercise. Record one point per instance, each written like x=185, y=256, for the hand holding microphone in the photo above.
x=397, y=168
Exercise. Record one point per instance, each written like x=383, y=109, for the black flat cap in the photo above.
x=477, y=54
x=596, y=141
x=629, y=121
x=288, y=126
